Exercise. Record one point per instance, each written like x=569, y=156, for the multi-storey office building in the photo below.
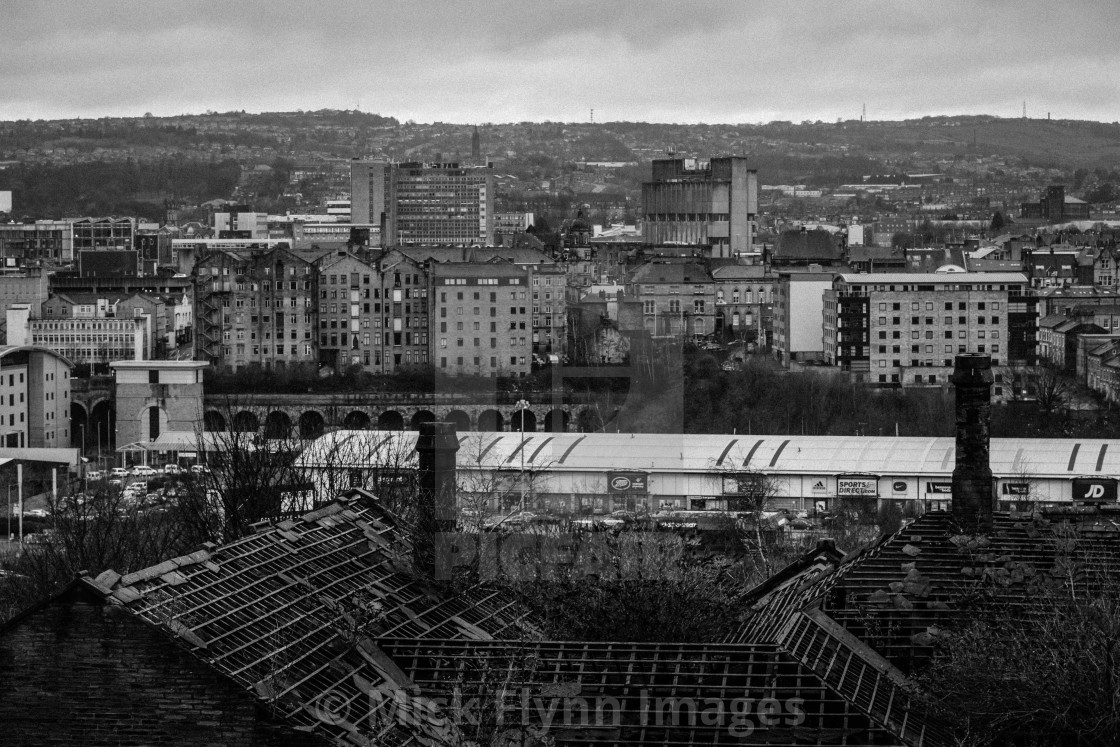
x=441, y=203
x=424, y=203
x=149, y=308
x=704, y=203
x=94, y=342
x=50, y=241
x=255, y=307
x=370, y=191
x=905, y=329
x=481, y=322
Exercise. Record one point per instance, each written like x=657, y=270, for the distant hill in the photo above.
x=1022, y=152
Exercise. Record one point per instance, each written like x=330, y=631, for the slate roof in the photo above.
x=816, y=245
x=293, y=612
x=865, y=622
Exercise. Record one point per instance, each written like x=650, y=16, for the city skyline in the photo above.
x=499, y=61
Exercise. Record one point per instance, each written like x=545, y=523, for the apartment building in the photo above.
x=256, y=307
x=481, y=319
x=34, y=397
x=905, y=329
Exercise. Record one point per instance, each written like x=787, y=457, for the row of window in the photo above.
x=514, y=360
x=459, y=342
x=961, y=306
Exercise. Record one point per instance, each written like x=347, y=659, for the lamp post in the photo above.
x=522, y=405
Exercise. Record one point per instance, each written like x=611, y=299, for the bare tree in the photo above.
x=1038, y=662
x=93, y=530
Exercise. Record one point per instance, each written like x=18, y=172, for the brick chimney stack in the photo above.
x=973, y=486
x=435, y=510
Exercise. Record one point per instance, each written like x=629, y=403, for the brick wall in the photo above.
x=82, y=673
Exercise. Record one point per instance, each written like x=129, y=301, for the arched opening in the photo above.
x=490, y=420
x=245, y=422
x=460, y=419
x=277, y=425
x=79, y=424
x=530, y=421
x=422, y=416
x=356, y=420
x=213, y=421
x=390, y=420
x=311, y=425
x=556, y=421
x=103, y=424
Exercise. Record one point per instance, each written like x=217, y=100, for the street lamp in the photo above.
x=522, y=405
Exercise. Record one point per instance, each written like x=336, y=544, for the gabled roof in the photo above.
x=293, y=613
x=863, y=623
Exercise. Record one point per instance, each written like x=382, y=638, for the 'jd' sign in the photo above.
x=1094, y=489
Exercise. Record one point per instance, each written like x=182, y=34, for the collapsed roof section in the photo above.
x=864, y=622
x=293, y=612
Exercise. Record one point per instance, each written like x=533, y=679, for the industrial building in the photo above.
x=576, y=472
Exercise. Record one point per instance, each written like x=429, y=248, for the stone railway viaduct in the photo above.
x=309, y=415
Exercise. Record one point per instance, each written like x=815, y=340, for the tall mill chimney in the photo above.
x=435, y=509
x=973, y=486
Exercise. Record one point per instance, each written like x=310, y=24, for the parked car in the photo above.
x=143, y=470
x=95, y=474
x=171, y=469
x=120, y=472
x=40, y=513
x=200, y=469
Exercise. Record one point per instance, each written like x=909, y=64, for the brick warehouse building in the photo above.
x=481, y=319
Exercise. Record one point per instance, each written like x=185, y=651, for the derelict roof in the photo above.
x=314, y=593
x=875, y=615
x=656, y=452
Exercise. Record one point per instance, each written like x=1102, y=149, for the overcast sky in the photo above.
x=502, y=61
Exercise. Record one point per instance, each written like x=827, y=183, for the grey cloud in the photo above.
x=632, y=59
